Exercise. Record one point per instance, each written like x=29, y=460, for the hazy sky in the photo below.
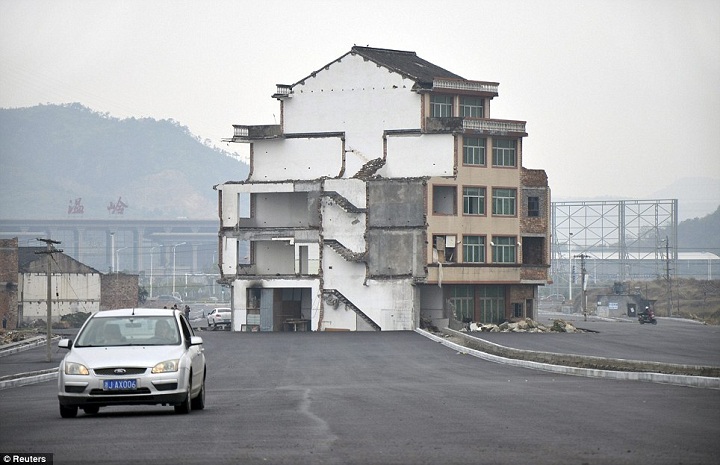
x=621, y=97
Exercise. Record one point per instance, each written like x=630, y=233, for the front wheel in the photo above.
x=91, y=410
x=186, y=406
x=68, y=411
x=654, y=322
x=198, y=403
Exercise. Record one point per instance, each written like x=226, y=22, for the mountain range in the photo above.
x=67, y=161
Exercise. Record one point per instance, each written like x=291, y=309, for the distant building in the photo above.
x=385, y=193
x=75, y=287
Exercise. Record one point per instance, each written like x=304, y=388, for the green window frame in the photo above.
x=504, y=249
x=504, y=202
x=471, y=107
x=504, y=152
x=462, y=302
x=474, y=249
x=441, y=106
x=491, y=303
x=473, y=200
x=474, y=150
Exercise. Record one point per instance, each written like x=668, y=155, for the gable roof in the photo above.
x=31, y=261
x=406, y=63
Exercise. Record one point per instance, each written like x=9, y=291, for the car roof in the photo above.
x=135, y=312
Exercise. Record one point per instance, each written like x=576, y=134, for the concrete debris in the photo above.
x=526, y=325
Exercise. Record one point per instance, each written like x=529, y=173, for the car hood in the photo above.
x=124, y=356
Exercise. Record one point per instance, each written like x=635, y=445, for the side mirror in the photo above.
x=196, y=341
x=65, y=343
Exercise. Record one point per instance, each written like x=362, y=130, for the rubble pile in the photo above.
x=8, y=337
x=526, y=325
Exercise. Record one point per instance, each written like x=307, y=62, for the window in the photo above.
x=473, y=249
x=473, y=200
x=503, y=249
x=441, y=106
x=517, y=310
x=504, y=202
x=471, y=107
x=462, y=302
x=444, y=200
x=491, y=303
x=444, y=248
x=504, y=152
x=473, y=150
x=533, y=206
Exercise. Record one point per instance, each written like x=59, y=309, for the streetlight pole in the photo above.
x=117, y=258
x=173, y=248
x=570, y=273
x=151, y=270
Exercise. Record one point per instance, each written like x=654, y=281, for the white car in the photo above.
x=132, y=356
x=219, y=317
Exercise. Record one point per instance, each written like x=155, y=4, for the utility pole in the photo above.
x=50, y=250
x=583, y=281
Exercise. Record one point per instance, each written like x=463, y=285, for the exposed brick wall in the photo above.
x=118, y=290
x=9, y=281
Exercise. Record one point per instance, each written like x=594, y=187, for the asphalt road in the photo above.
x=376, y=398
x=672, y=340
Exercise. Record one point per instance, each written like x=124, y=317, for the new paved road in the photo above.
x=376, y=398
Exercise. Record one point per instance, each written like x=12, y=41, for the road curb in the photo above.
x=662, y=378
x=31, y=377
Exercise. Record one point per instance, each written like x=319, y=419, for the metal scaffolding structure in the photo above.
x=622, y=239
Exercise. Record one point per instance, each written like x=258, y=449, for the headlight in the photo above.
x=72, y=368
x=166, y=366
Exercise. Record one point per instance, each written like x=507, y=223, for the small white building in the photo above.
x=74, y=287
x=385, y=192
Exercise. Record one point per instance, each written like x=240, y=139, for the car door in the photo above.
x=195, y=352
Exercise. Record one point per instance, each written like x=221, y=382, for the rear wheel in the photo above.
x=68, y=411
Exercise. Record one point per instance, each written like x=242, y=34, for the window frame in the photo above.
x=438, y=108
x=533, y=206
x=500, y=204
x=504, y=248
x=500, y=154
x=471, y=107
x=481, y=200
x=477, y=151
x=477, y=250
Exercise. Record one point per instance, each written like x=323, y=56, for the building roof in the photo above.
x=406, y=63
x=30, y=260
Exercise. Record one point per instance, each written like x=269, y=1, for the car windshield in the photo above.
x=130, y=330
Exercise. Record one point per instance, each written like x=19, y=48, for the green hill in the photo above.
x=55, y=157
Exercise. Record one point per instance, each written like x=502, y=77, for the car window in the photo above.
x=133, y=330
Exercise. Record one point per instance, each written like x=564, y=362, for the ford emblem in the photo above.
x=120, y=371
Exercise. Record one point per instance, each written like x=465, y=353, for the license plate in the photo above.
x=120, y=384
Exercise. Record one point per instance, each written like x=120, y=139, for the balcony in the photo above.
x=244, y=133
x=491, y=127
x=462, y=85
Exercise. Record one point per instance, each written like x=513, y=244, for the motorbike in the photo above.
x=647, y=317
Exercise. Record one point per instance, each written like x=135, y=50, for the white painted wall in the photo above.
x=307, y=158
x=354, y=85
x=389, y=303
x=71, y=292
x=419, y=155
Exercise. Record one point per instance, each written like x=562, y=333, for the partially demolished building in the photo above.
x=385, y=194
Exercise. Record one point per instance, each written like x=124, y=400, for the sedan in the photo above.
x=132, y=357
